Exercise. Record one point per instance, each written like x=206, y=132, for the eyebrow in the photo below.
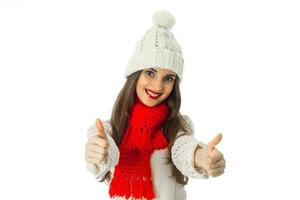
x=166, y=74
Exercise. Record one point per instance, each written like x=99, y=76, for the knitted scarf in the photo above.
x=132, y=175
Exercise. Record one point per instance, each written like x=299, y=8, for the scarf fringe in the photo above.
x=120, y=187
x=140, y=189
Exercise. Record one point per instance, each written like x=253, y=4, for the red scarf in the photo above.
x=132, y=175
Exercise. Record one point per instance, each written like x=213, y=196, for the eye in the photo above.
x=150, y=73
x=169, y=79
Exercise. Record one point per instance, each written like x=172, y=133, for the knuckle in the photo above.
x=106, y=144
x=105, y=141
x=105, y=151
x=101, y=157
x=99, y=141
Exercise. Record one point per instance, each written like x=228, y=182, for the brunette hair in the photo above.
x=172, y=126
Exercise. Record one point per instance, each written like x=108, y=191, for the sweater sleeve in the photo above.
x=113, y=152
x=183, y=151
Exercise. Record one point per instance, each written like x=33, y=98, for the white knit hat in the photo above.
x=158, y=47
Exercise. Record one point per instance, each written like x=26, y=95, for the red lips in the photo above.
x=152, y=94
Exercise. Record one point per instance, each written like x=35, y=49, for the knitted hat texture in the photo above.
x=158, y=48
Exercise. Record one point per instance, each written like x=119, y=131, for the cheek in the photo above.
x=168, y=89
x=141, y=84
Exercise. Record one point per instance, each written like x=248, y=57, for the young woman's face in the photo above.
x=154, y=85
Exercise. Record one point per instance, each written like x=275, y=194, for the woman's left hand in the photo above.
x=209, y=158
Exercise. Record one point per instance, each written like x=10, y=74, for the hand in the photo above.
x=97, y=147
x=210, y=158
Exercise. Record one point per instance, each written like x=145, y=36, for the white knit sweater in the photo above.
x=165, y=186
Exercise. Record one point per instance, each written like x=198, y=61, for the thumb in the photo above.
x=211, y=145
x=100, y=128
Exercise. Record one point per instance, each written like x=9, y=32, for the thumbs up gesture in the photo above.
x=209, y=158
x=97, y=147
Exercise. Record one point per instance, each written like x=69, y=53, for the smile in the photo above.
x=152, y=95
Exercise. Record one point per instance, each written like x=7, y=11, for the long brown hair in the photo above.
x=174, y=123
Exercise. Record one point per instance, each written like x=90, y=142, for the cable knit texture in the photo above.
x=183, y=156
x=183, y=153
x=158, y=47
x=165, y=186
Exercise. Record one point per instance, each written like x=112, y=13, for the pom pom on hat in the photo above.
x=163, y=19
x=158, y=47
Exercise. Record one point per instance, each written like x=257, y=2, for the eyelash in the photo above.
x=169, y=79
x=151, y=74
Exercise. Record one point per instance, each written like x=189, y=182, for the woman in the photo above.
x=147, y=149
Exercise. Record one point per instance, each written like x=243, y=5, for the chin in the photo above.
x=149, y=102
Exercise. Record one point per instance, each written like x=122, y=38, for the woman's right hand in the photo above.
x=97, y=146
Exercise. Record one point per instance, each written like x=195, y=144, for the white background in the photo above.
x=62, y=65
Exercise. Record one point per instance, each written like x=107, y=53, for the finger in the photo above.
x=215, y=172
x=100, y=128
x=218, y=165
x=96, y=155
x=95, y=158
x=91, y=160
x=214, y=157
x=99, y=141
x=218, y=173
x=211, y=145
x=96, y=148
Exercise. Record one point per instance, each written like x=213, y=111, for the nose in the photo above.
x=157, y=85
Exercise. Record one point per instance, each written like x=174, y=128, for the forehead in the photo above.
x=163, y=71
